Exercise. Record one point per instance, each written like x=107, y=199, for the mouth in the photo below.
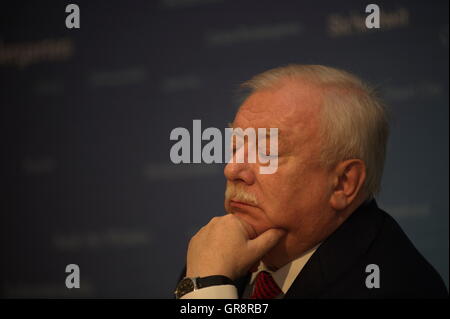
x=236, y=203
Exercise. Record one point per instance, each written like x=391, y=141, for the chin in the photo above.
x=258, y=226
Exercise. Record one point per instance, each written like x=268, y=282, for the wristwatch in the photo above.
x=189, y=284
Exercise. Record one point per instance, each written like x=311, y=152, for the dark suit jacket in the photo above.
x=369, y=236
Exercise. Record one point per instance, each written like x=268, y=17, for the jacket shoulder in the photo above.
x=404, y=271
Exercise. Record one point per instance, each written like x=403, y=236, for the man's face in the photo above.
x=296, y=196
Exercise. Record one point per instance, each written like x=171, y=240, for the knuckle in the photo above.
x=229, y=217
x=193, y=238
x=215, y=220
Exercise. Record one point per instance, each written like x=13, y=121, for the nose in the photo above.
x=239, y=172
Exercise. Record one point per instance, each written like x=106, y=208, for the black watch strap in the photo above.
x=215, y=280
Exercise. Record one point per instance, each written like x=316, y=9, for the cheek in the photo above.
x=280, y=199
x=293, y=196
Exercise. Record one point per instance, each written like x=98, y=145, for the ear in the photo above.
x=349, y=177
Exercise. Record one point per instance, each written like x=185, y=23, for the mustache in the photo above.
x=237, y=193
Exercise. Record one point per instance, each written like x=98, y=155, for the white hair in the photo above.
x=354, y=122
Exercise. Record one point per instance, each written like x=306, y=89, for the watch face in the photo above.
x=185, y=286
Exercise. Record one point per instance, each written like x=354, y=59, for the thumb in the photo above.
x=266, y=241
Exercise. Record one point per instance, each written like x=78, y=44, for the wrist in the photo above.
x=189, y=284
x=198, y=273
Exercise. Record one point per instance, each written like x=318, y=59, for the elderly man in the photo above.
x=312, y=229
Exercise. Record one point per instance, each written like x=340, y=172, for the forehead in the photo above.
x=293, y=108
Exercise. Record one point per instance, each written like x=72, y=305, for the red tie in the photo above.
x=265, y=287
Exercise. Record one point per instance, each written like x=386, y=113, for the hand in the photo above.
x=225, y=247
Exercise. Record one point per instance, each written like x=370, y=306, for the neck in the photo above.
x=294, y=246
x=280, y=256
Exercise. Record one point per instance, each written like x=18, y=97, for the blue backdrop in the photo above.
x=86, y=116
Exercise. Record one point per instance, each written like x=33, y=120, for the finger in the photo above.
x=266, y=241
